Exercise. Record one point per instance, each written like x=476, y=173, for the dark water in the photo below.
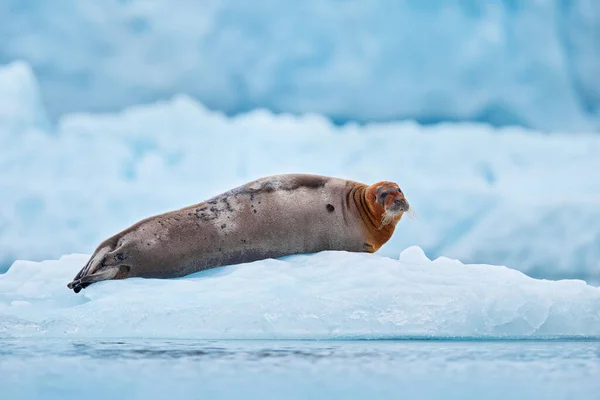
x=159, y=369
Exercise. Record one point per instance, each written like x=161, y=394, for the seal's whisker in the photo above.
x=412, y=214
x=388, y=217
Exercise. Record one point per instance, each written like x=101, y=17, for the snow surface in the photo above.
x=534, y=63
x=502, y=196
x=325, y=295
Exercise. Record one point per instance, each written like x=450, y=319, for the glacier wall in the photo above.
x=529, y=63
x=506, y=196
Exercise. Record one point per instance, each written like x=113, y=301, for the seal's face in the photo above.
x=389, y=196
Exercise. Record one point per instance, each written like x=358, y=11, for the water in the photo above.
x=153, y=369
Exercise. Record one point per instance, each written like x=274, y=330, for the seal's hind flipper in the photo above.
x=98, y=268
x=86, y=280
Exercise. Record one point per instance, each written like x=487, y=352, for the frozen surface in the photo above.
x=328, y=295
x=533, y=63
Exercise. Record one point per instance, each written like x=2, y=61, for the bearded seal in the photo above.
x=270, y=217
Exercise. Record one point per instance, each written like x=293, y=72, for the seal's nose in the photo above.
x=401, y=203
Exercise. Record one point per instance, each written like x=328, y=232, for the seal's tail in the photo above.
x=100, y=267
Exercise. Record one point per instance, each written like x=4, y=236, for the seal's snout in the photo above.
x=396, y=202
x=400, y=204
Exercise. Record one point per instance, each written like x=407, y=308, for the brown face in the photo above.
x=390, y=197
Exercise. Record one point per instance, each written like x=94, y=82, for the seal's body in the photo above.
x=267, y=218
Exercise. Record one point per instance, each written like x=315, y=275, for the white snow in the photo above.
x=325, y=295
x=534, y=63
x=507, y=196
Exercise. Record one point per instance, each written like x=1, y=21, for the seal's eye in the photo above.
x=384, y=195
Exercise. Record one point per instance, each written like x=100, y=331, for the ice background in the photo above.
x=486, y=113
x=510, y=196
x=114, y=111
x=530, y=63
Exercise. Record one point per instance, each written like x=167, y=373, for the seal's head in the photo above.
x=387, y=202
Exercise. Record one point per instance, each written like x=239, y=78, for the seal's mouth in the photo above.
x=393, y=209
x=397, y=205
